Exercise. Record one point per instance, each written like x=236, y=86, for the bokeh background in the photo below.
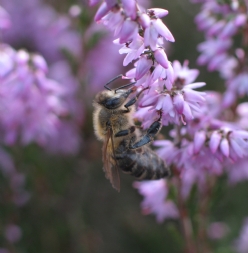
x=69, y=205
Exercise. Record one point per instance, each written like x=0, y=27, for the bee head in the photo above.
x=111, y=99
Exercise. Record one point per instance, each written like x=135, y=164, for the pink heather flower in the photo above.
x=238, y=171
x=155, y=200
x=146, y=115
x=128, y=31
x=142, y=67
x=144, y=20
x=199, y=141
x=12, y=233
x=229, y=143
x=49, y=36
x=114, y=21
x=22, y=91
x=236, y=87
x=220, y=23
x=101, y=12
x=161, y=58
x=5, y=21
x=212, y=47
x=162, y=29
x=178, y=103
x=193, y=176
x=7, y=57
x=242, y=112
x=156, y=28
x=133, y=50
x=130, y=8
x=217, y=230
x=193, y=167
x=158, y=12
x=183, y=73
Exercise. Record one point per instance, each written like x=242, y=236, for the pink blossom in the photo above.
x=143, y=65
x=155, y=200
x=128, y=31
x=161, y=57
x=158, y=12
x=13, y=233
x=199, y=140
x=217, y=230
x=5, y=21
x=130, y=8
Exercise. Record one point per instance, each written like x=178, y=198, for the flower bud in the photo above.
x=161, y=57
x=143, y=65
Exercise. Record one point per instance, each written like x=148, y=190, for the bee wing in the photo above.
x=110, y=165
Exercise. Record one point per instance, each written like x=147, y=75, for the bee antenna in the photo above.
x=124, y=86
x=112, y=80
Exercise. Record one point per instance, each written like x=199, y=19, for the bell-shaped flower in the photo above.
x=224, y=147
x=133, y=50
x=5, y=21
x=178, y=101
x=158, y=12
x=144, y=20
x=215, y=141
x=101, y=12
x=143, y=65
x=161, y=57
x=162, y=30
x=128, y=31
x=183, y=72
x=130, y=8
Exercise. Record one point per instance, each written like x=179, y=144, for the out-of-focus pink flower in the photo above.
x=13, y=233
x=23, y=90
x=236, y=87
x=48, y=33
x=5, y=22
x=155, y=200
x=238, y=171
x=104, y=56
x=217, y=230
x=242, y=111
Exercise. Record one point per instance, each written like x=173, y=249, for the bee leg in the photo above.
x=148, y=137
x=134, y=99
x=125, y=132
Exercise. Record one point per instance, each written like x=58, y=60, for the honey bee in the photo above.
x=124, y=146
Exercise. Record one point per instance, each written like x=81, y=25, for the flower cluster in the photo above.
x=221, y=22
x=203, y=143
x=31, y=80
x=142, y=35
x=38, y=100
x=32, y=105
x=155, y=200
x=50, y=36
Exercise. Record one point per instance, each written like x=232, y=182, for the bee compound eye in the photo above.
x=115, y=102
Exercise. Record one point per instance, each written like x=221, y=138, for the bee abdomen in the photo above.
x=144, y=165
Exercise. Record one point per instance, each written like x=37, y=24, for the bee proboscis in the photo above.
x=124, y=146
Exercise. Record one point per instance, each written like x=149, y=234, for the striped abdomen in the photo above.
x=142, y=163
